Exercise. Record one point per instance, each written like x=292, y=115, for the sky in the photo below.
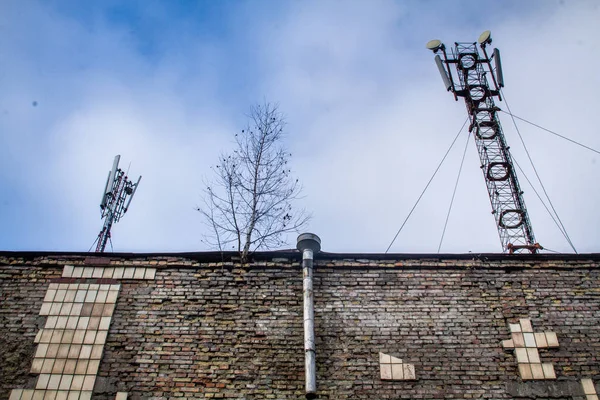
x=166, y=84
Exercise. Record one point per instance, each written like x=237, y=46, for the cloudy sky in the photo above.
x=166, y=84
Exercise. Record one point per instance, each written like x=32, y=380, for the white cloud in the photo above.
x=373, y=137
x=368, y=121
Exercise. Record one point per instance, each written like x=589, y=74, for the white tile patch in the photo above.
x=526, y=344
x=394, y=369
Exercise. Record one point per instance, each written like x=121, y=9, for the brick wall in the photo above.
x=22, y=289
x=218, y=330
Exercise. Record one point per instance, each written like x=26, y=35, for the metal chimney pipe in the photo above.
x=308, y=244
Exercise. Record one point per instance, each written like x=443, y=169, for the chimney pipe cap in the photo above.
x=309, y=241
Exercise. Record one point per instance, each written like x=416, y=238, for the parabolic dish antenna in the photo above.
x=485, y=38
x=434, y=45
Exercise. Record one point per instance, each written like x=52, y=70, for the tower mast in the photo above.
x=116, y=198
x=465, y=73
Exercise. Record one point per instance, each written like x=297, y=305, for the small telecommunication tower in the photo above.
x=116, y=198
x=465, y=73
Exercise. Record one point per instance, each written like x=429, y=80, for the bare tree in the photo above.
x=248, y=204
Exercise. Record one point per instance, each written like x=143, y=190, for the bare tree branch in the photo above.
x=249, y=203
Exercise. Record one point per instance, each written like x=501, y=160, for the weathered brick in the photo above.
x=209, y=329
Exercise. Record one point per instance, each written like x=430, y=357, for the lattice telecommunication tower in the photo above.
x=116, y=198
x=465, y=73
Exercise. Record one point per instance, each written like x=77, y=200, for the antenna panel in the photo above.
x=113, y=172
x=443, y=73
x=499, y=74
x=132, y=193
x=103, y=202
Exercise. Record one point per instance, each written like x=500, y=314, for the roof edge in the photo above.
x=216, y=256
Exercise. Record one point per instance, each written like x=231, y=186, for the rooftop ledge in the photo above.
x=287, y=256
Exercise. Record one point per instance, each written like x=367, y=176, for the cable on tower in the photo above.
x=552, y=132
x=545, y=206
x=454, y=192
x=426, y=186
x=537, y=174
